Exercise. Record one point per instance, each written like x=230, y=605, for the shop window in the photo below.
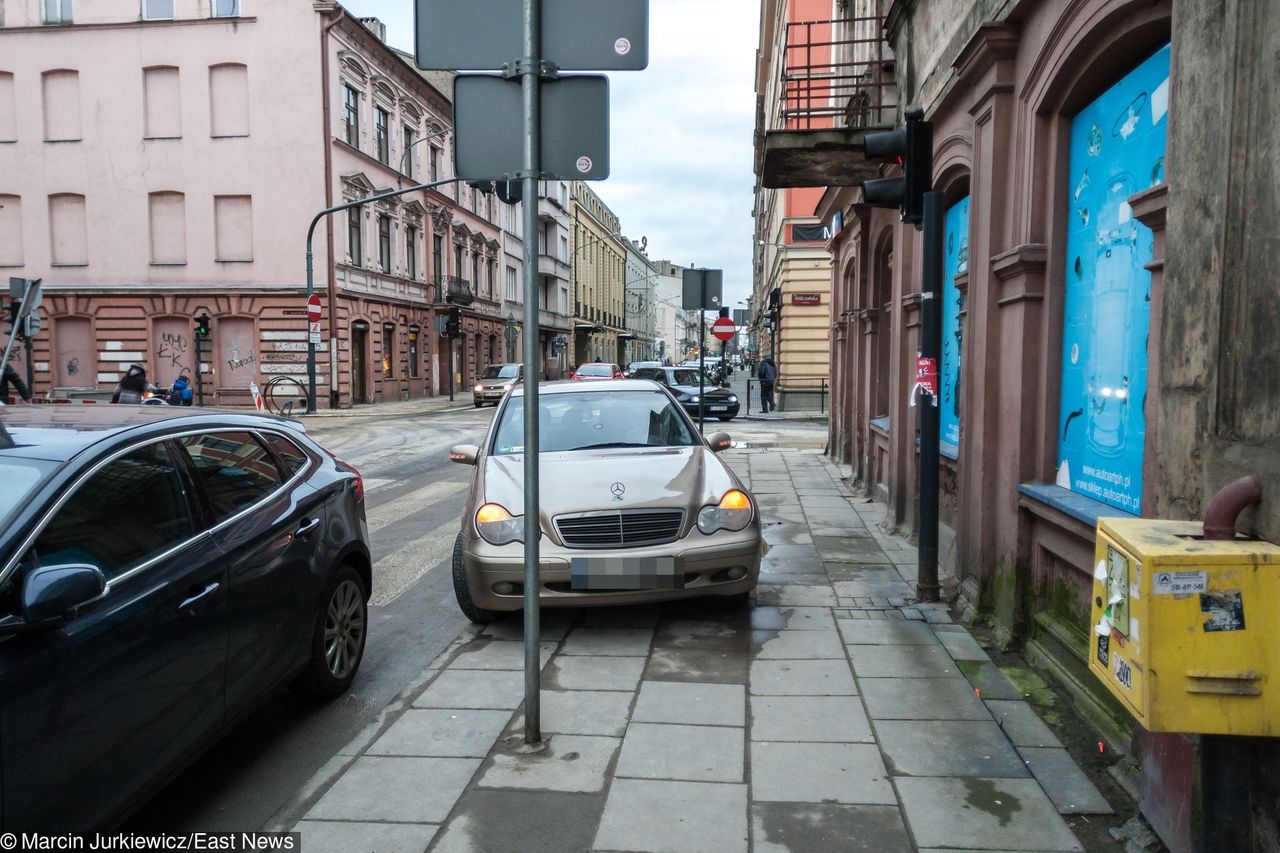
x=388, y=350
x=955, y=261
x=1117, y=146
x=412, y=361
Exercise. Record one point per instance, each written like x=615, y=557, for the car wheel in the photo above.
x=463, y=593
x=479, y=403
x=337, y=640
x=726, y=417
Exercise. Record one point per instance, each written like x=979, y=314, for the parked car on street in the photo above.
x=682, y=382
x=636, y=365
x=162, y=571
x=635, y=505
x=597, y=370
x=494, y=382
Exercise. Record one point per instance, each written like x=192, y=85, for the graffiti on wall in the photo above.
x=955, y=261
x=1117, y=147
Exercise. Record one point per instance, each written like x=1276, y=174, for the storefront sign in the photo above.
x=806, y=299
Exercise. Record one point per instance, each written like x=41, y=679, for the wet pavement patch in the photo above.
x=806, y=827
x=702, y=665
x=522, y=822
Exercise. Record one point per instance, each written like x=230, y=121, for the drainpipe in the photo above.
x=1227, y=504
x=331, y=276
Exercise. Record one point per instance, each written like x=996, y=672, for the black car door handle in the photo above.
x=305, y=530
x=206, y=592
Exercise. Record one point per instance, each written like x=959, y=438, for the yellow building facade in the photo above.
x=597, y=276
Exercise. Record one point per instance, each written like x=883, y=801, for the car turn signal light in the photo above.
x=497, y=526
x=732, y=513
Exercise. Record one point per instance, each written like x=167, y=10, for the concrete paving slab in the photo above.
x=574, y=763
x=819, y=773
x=629, y=616
x=983, y=814
x=791, y=553
x=796, y=645
x=448, y=733
x=497, y=654
x=691, y=703
x=1021, y=724
x=792, y=579
x=584, y=672
x=802, y=678
x=335, y=836
x=1062, y=779
x=408, y=790
x=989, y=680
x=948, y=748
x=922, y=698
x=474, y=688
x=828, y=828
x=661, y=816
x=623, y=642
x=797, y=595
x=702, y=634
x=581, y=712
x=902, y=662
x=875, y=589
x=784, y=565
x=883, y=632
x=962, y=646
x=861, y=572
x=553, y=626
x=832, y=719
x=718, y=666
x=773, y=618
x=691, y=753
x=488, y=821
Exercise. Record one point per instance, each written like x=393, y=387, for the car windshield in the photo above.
x=585, y=421
x=685, y=377
x=501, y=371
x=19, y=479
x=595, y=370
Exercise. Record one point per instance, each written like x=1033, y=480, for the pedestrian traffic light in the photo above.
x=202, y=325
x=453, y=326
x=911, y=148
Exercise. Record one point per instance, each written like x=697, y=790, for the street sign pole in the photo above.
x=702, y=341
x=531, y=83
x=930, y=348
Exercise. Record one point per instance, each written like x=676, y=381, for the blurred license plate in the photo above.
x=718, y=409
x=625, y=573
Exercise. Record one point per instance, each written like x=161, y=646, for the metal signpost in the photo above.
x=702, y=291
x=563, y=133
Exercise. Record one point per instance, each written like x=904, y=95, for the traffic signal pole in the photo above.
x=930, y=348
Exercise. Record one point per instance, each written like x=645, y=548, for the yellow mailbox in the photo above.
x=1186, y=630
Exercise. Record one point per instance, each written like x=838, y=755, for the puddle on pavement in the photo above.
x=982, y=794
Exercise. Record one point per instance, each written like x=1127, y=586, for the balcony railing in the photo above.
x=450, y=288
x=836, y=74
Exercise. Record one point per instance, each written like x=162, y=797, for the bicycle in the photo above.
x=282, y=393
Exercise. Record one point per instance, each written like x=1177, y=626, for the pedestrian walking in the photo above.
x=11, y=377
x=767, y=373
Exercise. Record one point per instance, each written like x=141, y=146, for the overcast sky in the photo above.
x=681, y=132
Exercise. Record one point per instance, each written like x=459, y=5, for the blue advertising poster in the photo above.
x=1117, y=149
x=955, y=261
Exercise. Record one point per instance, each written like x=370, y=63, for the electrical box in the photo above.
x=1185, y=630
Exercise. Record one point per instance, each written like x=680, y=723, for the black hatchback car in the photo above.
x=161, y=571
x=717, y=402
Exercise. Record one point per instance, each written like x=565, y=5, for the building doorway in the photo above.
x=359, y=359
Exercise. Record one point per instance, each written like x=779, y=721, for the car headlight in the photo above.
x=479, y=388
x=497, y=526
x=733, y=398
x=732, y=513
x=692, y=398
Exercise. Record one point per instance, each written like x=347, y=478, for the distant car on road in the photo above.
x=682, y=382
x=162, y=571
x=596, y=370
x=494, y=382
x=636, y=365
x=636, y=506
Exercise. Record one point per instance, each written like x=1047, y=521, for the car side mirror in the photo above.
x=48, y=592
x=720, y=441
x=464, y=454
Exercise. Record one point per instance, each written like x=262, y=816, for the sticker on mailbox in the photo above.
x=1179, y=583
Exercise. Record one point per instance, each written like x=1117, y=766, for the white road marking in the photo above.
x=407, y=504
x=395, y=573
x=371, y=484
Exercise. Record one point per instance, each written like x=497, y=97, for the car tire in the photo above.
x=740, y=601
x=479, y=403
x=338, y=638
x=462, y=592
x=726, y=417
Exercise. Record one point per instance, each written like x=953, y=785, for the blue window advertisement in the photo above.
x=956, y=245
x=1117, y=149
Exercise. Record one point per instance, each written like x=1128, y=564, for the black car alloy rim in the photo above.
x=343, y=630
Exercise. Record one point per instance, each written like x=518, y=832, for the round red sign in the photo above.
x=313, y=308
x=724, y=329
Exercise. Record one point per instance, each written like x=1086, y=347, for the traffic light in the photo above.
x=202, y=325
x=453, y=326
x=911, y=147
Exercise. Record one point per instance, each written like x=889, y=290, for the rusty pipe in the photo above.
x=1226, y=506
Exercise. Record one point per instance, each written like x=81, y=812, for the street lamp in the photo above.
x=404, y=158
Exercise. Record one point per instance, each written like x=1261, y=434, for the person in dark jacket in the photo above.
x=11, y=377
x=767, y=373
x=132, y=386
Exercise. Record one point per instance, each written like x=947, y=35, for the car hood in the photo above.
x=494, y=383
x=687, y=478
x=709, y=390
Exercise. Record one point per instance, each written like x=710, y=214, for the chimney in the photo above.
x=376, y=27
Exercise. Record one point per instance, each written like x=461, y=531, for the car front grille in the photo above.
x=620, y=528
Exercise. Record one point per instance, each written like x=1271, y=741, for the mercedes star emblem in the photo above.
x=618, y=490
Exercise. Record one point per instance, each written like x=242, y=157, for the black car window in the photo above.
x=649, y=373
x=234, y=468
x=293, y=456
x=128, y=512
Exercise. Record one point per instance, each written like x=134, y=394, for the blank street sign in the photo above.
x=577, y=35
x=489, y=129
x=692, y=290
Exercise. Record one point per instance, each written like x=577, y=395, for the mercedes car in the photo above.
x=494, y=382
x=635, y=505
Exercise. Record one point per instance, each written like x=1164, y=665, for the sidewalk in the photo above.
x=833, y=715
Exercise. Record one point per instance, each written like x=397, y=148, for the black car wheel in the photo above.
x=725, y=417
x=462, y=592
x=337, y=641
x=479, y=403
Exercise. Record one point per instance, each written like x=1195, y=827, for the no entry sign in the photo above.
x=313, y=308
x=724, y=329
